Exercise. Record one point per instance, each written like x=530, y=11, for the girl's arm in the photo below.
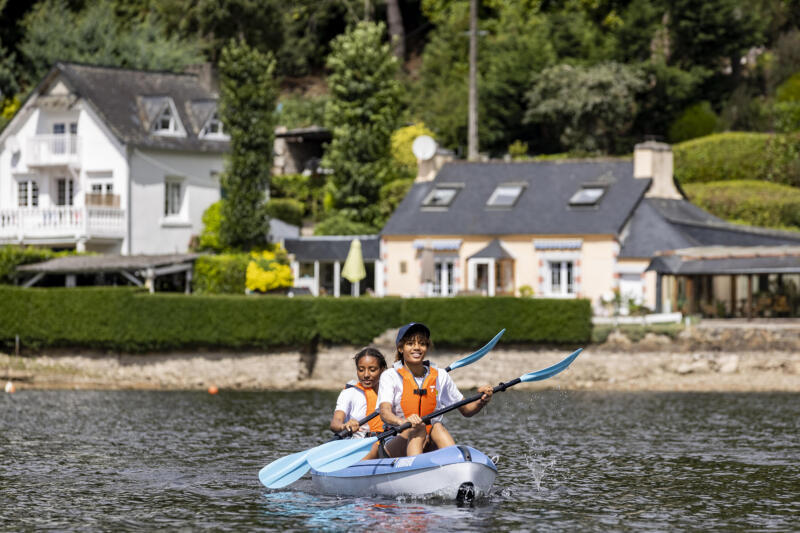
x=388, y=417
x=338, y=423
x=473, y=408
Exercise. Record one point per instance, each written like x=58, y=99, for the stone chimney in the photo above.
x=430, y=157
x=653, y=160
x=206, y=74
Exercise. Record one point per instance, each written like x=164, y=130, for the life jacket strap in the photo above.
x=420, y=392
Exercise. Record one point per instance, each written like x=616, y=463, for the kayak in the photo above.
x=459, y=473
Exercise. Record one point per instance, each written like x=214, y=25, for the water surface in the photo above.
x=567, y=461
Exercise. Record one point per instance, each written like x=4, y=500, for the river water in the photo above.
x=131, y=460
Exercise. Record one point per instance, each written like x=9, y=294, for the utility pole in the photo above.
x=472, y=116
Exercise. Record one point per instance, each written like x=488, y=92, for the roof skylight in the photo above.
x=440, y=196
x=587, y=196
x=505, y=195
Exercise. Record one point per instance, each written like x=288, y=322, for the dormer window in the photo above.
x=587, y=196
x=213, y=128
x=505, y=195
x=441, y=196
x=166, y=123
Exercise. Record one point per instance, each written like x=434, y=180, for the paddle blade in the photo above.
x=339, y=454
x=551, y=370
x=471, y=358
x=285, y=470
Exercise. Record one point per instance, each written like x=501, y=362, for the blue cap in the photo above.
x=408, y=327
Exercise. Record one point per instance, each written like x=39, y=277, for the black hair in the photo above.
x=372, y=352
x=410, y=335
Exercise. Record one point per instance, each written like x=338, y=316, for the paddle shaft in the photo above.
x=427, y=418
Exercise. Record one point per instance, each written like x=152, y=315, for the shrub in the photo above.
x=269, y=270
x=288, y=210
x=756, y=203
x=789, y=91
x=739, y=156
x=695, y=121
x=402, y=139
x=12, y=256
x=220, y=274
x=338, y=224
x=787, y=116
x=212, y=220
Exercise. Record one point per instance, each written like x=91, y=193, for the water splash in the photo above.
x=538, y=465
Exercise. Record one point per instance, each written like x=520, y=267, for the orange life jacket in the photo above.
x=419, y=400
x=376, y=424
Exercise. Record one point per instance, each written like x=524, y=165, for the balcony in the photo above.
x=61, y=224
x=53, y=151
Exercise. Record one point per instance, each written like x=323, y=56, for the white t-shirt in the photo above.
x=391, y=391
x=354, y=405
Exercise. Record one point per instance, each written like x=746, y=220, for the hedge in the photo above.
x=220, y=274
x=756, y=203
x=129, y=320
x=739, y=156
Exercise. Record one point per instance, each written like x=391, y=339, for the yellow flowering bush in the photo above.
x=269, y=270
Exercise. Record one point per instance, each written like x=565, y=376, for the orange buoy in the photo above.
x=213, y=389
x=10, y=387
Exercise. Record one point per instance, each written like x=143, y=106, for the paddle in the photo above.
x=464, y=361
x=336, y=455
x=290, y=468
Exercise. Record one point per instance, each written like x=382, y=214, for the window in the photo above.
x=440, y=196
x=561, y=277
x=505, y=195
x=65, y=190
x=166, y=123
x=587, y=196
x=306, y=270
x=444, y=269
x=28, y=193
x=213, y=128
x=173, y=198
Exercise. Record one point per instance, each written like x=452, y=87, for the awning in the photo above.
x=437, y=244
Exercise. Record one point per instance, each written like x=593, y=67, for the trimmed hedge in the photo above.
x=756, y=203
x=128, y=320
x=220, y=274
x=739, y=156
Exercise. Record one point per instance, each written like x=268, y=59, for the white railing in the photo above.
x=53, y=150
x=61, y=222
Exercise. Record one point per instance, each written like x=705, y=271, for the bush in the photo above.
x=220, y=274
x=269, y=270
x=212, y=220
x=338, y=224
x=12, y=256
x=696, y=121
x=288, y=210
x=787, y=116
x=125, y=319
x=789, y=91
x=756, y=203
x=739, y=156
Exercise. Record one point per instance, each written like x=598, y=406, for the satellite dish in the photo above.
x=424, y=147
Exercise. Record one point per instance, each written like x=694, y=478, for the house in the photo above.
x=111, y=160
x=558, y=229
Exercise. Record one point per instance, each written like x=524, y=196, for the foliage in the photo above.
x=402, y=139
x=128, y=320
x=696, y=121
x=55, y=33
x=339, y=224
x=392, y=194
x=739, y=156
x=269, y=270
x=787, y=116
x=364, y=109
x=212, y=220
x=288, y=210
x=247, y=108
x=12, y=256
x=789, y=91
x=220, y=274
x=301, y=112
x=518, y=149
x=590, y=106
x=308, y=190
x=751, y=202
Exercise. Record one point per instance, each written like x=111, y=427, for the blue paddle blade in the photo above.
x=285, y=470
x=339, y=454
x=471, y=358
x=551, y=370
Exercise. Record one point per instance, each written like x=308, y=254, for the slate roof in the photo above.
x=661, y=224
x=493, y=250
x=542, y=208
x=125, y=100
x=332, y=247
x=729, y=260
x=105, y=263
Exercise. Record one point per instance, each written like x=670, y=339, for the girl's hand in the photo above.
x=352, y=425
x=487, y=391
x=415, y=420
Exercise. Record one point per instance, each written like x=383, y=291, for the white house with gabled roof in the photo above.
x=111, y=160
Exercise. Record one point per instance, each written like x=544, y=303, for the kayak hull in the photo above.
x=452, y=473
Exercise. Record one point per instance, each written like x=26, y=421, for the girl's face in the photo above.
x=368, y=370
x=414, y=349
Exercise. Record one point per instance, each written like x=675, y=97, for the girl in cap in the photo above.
x=414, y=389
x=359, y=398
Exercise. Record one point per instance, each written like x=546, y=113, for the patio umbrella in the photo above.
x=354, y=270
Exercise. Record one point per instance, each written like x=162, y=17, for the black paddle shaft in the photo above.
x=346, y=433
x=427, y=418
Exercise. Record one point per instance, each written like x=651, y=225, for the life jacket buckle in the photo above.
x=421, y=392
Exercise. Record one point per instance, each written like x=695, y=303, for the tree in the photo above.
x=248, y=92
x=590, y=106
x=364, y=109
x=54, y=33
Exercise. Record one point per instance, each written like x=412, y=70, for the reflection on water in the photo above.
x=568, y=461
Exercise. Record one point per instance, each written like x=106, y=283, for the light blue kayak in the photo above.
x=454, y=473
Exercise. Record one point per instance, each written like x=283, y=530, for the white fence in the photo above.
x=654, y=318
x=61, y=222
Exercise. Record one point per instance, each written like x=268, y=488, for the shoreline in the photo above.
x=595, y=369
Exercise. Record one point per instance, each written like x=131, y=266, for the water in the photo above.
x=567, y=461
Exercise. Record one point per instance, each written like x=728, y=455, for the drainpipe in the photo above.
x=128, y=203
